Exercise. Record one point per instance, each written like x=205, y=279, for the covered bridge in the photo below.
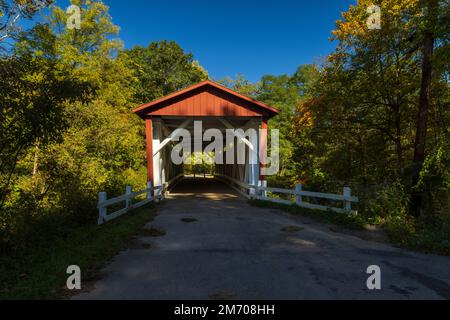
x=217, y=107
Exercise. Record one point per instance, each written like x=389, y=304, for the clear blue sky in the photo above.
x=229, y=37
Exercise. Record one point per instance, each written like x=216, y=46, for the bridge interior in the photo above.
x=206, y=187
x=207, y=105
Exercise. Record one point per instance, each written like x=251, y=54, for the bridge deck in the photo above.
x=200, y=186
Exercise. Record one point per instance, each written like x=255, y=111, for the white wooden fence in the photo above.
x=249, y=191
x=104, y=202
x=158, y=193
x=260, y=193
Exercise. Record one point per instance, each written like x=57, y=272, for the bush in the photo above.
x=391, y=201
x=400, y=228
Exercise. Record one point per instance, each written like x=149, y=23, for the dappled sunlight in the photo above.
x=301, y=242
x=203, y=187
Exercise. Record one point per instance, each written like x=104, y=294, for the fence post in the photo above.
x=263, y=184
x=149, y=191
x=157, y=193
x=252, y=191
x=298, y=197
x=164, y=190
x=347, y=196
x=102, y=196
x=128, y=201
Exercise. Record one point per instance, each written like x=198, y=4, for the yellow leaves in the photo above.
x=196, y=65
x=349, y=28
x=304, y=117
x=353, y=23
x=394, y=14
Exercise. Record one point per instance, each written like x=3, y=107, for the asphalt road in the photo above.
x=237, y=251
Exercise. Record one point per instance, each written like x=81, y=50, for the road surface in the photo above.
x=236, y=251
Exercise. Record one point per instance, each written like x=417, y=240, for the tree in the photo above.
x=241, y=85
x=360, y=125
x=285, y=92
x=87, y=143
x=33, y=93
x=162, y=68
x=13, y=10
x=429, y=34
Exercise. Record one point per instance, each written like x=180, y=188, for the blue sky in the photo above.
x=249, y=37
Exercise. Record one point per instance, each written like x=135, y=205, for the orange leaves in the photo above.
x=394, y=14
x=349, y=28
x=304, y=118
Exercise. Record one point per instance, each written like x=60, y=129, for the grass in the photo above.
x=40, y=272
x=414, y=234
x=346, y=220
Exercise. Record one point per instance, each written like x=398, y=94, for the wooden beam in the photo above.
x=263, y=148
x=157, y=160
x=239, y=136
x=149, y=149
x=172, y=136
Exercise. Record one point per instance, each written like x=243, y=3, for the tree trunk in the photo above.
x=417, y=196
x=398, y=144
x=36, y=159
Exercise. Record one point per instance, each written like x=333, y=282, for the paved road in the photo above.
x=236, y=251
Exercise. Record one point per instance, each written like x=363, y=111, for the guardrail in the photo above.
x=173, y=182
x=260, y=193
x=158, y=191
x=235, y=184
x=104, y=202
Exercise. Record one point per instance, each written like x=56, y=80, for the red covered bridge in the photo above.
x=217, y=107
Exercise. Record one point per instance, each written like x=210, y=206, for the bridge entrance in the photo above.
x=200, y=120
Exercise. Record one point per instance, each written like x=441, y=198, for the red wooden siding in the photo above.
x=206, y=99
x=205, y=104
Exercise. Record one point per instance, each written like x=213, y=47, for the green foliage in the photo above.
x=435, y=177
x=283, y=92
x=91, y=246
x=98, y=139
x=66, y=119
x=162, y=68
x=241, y=85
x=390, y=201
x=201, y=163
x=66, y=130
x=347, y=220
x=357, y=125
x=33, y=93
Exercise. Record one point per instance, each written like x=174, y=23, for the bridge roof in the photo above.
x=206, y=98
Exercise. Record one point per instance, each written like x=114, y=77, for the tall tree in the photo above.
x=429, y=35
x=361, y=124
x=102, y=141
x=285, y=92
x=162, y=68
x=12, y=11
x=241, y=85
x=31, y=108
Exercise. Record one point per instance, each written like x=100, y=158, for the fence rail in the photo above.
x=104, y=202
x=249, y=191
x=260, y=193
